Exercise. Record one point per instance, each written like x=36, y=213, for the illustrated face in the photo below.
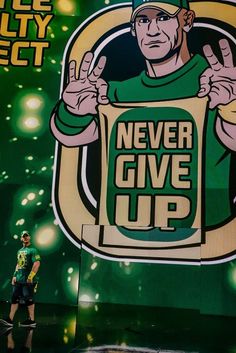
x=157, y=33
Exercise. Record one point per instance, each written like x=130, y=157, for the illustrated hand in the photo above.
x=13, y=281
x=29, y=280
x=218, y=81
x=83, y=95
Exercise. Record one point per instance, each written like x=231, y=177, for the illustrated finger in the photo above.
x=102, y=87
x=97, y=71
x=72, y=73
x=215, y=98
x=85, y=65
x=211, y=58
x=205, y=83
x=226, y=53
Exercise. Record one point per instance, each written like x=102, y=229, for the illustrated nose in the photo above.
x=153, y=28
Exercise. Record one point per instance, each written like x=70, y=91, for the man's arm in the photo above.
x=13, y=281
x=33, y=271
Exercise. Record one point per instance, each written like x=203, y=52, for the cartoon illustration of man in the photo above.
x=172, y=73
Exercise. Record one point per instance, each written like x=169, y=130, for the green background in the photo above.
x=26, y=171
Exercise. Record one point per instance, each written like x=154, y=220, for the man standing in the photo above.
x=24, y=282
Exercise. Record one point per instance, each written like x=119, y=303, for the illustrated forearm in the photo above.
x=72, y=130
x=87, y=135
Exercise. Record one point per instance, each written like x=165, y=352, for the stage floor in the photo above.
x=107, y=328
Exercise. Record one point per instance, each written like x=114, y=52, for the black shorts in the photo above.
x=23, y=293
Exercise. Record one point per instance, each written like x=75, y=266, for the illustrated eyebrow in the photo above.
x=141, y=16
x=161, y=13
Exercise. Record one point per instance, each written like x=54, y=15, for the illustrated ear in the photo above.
x=188, y=20
x=132, y=29
x=187, y=28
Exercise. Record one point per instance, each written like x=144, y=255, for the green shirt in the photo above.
x=26, y=257
x=183, y=83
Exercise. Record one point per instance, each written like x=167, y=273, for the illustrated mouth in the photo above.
x=154, y=43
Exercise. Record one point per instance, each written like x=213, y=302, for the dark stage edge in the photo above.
x=108, y=328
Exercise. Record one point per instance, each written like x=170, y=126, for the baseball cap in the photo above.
x=25, y=232
x=171, y=7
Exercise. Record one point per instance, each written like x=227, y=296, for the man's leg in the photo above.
x=28, y=294
x=16, y=292
x=31, y=311
x=13, y=310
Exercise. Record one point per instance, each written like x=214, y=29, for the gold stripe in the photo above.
x=216, y=10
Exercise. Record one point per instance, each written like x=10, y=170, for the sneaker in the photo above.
x=6, y=322
x=28, y=323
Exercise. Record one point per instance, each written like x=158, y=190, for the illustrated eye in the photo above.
x=164, y=18
x=144, y=20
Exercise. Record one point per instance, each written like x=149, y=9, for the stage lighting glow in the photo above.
x=71, y=281
x=75, y=284
x=24, y=202
x=65, y=339
x=70, y=270
x=94, y=266
x=89, y=337
x=46, y=238
x=232, y=277
x=31, y=196
x=20, y=222
x=66, y=6
x=31, y=122
x=71, y=327
x=85, y=298
x=33, y=102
